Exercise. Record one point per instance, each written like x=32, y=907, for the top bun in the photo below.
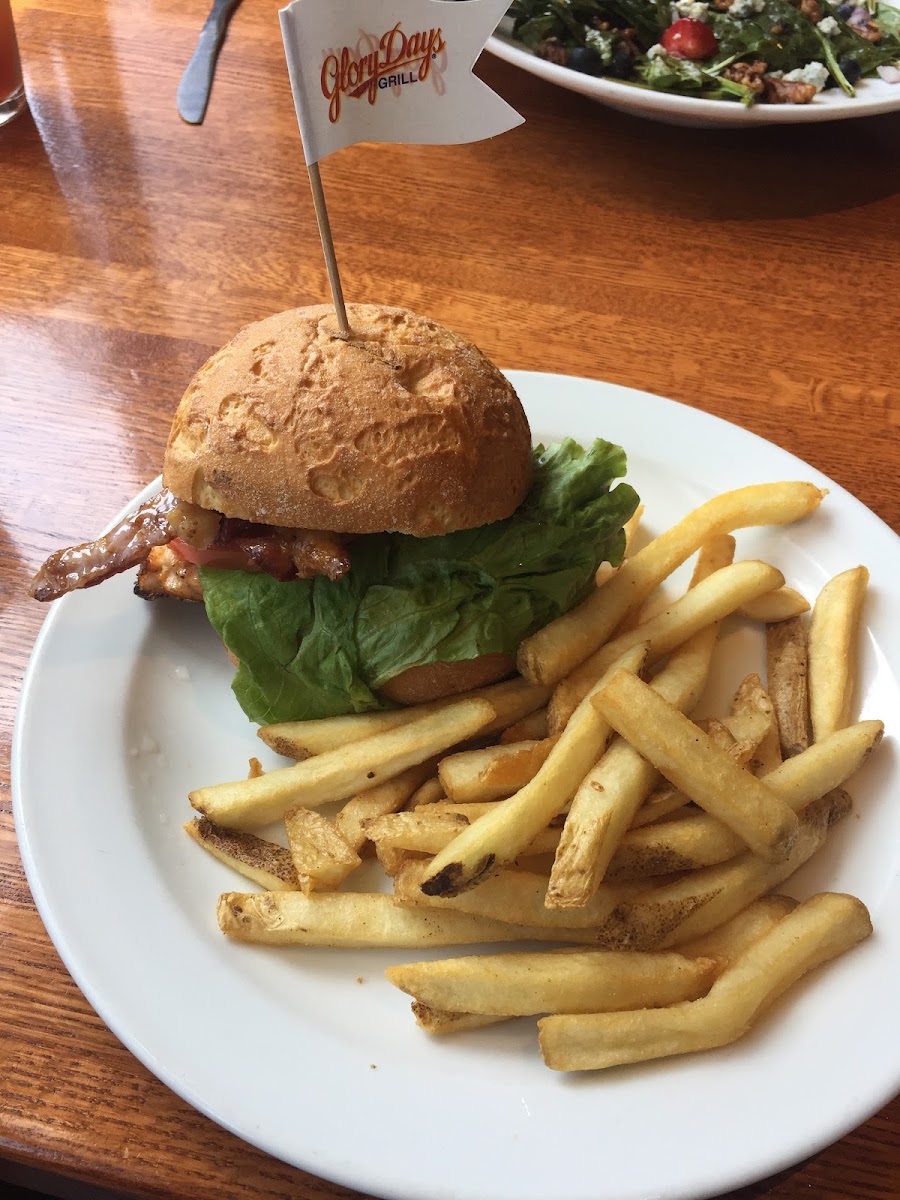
x=404, y=427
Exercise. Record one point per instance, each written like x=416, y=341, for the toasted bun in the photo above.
x=404, y=427
x=418, y=685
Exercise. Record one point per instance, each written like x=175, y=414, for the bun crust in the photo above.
x=406, y=427
x=419, y=685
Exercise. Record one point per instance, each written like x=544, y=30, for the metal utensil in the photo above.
x=196, y=82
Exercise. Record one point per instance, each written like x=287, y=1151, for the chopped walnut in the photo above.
x=629, y=37
x=748, y=74
x=788, y=91
x=553, y=51
x=861, y=22
x=811, y=9
x=723, y=5
x=604, y=26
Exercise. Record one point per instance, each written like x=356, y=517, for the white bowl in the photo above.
x=873, y=96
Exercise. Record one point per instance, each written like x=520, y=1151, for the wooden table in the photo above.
x=747, y=274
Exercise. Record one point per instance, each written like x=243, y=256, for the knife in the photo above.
x=196, y=82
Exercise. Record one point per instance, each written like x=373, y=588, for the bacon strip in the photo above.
x=282, y=553
x=125, y=546
x=286, y=553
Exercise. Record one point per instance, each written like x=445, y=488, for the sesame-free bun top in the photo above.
x=402, y=427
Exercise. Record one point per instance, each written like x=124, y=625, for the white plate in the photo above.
x=873, y=96
x=127, y=705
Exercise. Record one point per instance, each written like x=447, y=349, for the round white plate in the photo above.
x=311, y=1054
x=873, y=96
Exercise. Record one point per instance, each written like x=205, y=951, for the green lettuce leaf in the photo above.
x=313, y=648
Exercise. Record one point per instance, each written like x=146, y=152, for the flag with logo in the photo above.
x=391, y=71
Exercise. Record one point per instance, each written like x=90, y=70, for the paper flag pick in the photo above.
x=391, y=71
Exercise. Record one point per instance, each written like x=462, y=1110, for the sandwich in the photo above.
x=364, y=518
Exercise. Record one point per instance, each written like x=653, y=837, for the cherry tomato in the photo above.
x=688, y=38
x=216, y=556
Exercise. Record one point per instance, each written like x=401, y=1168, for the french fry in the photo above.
x=664, y=802
x=779, y=605
x=532, y=728
x=817, y=931
x=729, y=941
x=608, y=797
x=513, y=896
x=501, y=835
x=424, y=831
x=742, y=883
x=786, y=653
x=436, y=1021
x=683, y=909
x=715, y=553
x=723, y=945
x=751, y=697
x=611, y=794
x=536, y=864
x=511, y=701
x=667, y=846
x=575, y=981
x=388, y=797
x=738, y=735
x=686, y=844
x=337, y=774
x=543, y=844
x=429, y=792
x=427, y=832
x=559, y=647
x=701, y=840
x=265, y=863
x=708, y=602
x=494, y=772
x=690, y=760
x=361, y=920
x=471, y=811
x=393, y=860
x=321, y=857
x=833, y=637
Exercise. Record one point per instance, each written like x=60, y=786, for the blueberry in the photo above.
x=844, y=11
x=850, y=69
x=585, y=59
x=622, y=62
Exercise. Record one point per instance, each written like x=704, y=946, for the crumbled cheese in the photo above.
x=829, y=26
x=596, y=39
x=695, y=10
x=656, y=52
x=815, y=73
x=746, y=8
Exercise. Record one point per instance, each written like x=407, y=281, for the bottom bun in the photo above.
x=418, y=685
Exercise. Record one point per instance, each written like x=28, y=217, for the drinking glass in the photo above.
x=12, y=89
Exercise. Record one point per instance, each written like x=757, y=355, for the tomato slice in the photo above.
x=215, y=556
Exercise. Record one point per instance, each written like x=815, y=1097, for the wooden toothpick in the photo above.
x=334, y=278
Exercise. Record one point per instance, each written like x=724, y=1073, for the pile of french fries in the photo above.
x=579, y=804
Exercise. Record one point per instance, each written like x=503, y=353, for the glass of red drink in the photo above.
x=12, y=89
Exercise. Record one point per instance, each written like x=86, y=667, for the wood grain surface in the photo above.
x=750, y=274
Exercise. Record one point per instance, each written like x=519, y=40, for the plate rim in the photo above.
x=348, y=1176
x=689, y=109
